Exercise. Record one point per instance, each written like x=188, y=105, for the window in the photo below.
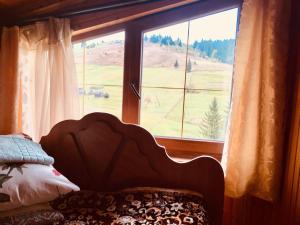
x=172, y=74
x=186, y=77
x=99, y=64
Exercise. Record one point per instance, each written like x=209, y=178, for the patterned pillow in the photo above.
x=23, y=184
x=15, y=148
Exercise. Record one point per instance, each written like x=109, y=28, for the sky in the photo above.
x=218, y=26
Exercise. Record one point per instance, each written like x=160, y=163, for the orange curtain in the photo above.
x=254, y=146
x=10, y=82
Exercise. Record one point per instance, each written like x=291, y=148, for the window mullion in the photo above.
x=132, y=74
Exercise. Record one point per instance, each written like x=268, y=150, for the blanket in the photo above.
x=141, y=206
x=14, y=148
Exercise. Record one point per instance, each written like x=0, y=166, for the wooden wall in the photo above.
x=290, y=205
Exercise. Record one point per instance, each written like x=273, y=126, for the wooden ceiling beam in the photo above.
x=61, y=7
x=87, y=22
x=46, y=8
x=55, y=7
x=19, y=8
x=95, y=21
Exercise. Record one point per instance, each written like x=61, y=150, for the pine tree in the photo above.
x=189, y=66
x=176, y=64
x=211, y=123
x=178, y=42
x=146, y=38
x=83, y=44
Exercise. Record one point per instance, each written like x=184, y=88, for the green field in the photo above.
x=162, y=96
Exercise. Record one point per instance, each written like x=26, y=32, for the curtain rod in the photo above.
x=86, y=11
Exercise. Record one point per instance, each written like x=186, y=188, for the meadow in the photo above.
x=163, y=95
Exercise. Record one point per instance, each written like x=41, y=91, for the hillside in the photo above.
x=154, y=55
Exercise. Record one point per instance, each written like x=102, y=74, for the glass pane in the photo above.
x=78, y=50
x=164, y=56
x=162, y=111
x=203, y=73
x=211, y=51
x=205, y=114
x=206, y=79
x=81, y=92
x=105, y=60
x=209, y=75
x=99, y=64
x=99, y=98
x=104, y=75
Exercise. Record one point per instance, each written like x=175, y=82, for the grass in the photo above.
x=163, y=110
x=95, y=74
x=113, y=104
x=161, y=107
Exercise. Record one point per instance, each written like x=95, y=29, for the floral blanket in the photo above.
x=131, y=207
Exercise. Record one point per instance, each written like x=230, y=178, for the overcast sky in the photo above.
x=218, y=26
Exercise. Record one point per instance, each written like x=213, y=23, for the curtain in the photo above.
x=253, y=148
x=46, y=70
x=10, y=82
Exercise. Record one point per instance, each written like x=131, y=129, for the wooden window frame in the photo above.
x=177, y=147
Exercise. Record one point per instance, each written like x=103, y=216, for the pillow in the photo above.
x=16, y=148
x=24, y=184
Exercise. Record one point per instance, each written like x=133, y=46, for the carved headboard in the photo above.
x=99, y=152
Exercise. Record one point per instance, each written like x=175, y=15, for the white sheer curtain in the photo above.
x=48, y=74
x=48, y=80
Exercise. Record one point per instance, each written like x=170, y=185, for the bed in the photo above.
x=100, y=153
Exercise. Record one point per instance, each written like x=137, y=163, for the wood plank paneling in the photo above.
x=122, y=11
x=99, y=20
x=296, y=210
x=26, y=9
x=292, y=181
x=289, y=207
x=291, y=193
x=248, y=211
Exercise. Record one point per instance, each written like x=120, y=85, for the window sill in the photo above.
x=188, y=149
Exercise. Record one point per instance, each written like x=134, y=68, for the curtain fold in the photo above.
x=10, y=82
x=253, y=149
x=46, y=70
x=51, y=73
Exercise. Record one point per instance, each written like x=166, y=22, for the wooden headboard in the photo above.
x=99, y=152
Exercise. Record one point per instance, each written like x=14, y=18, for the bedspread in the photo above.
x=132, y=207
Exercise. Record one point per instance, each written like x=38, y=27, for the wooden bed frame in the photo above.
x=101, y=153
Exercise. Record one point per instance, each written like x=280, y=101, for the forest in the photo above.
x=221, y=50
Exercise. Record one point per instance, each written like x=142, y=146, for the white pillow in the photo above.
x=24, y=184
